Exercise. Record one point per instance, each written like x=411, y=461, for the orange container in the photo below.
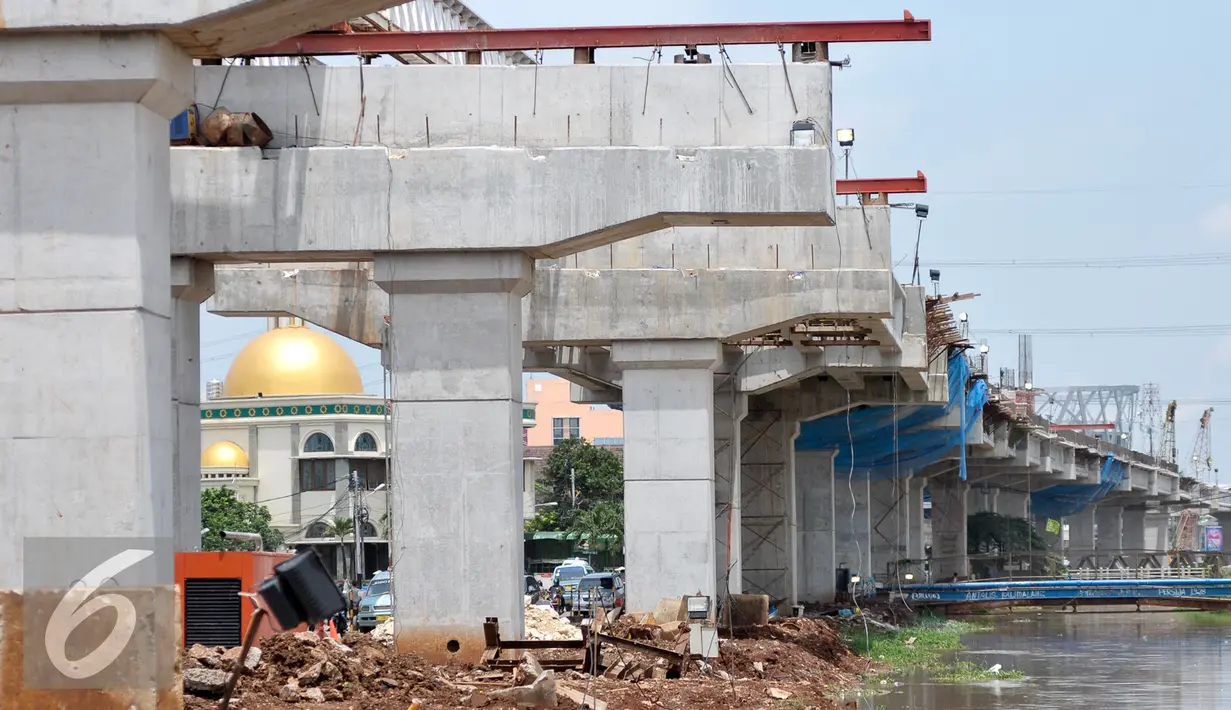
x=211, y=583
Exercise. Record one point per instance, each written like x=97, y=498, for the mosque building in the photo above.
x=289, y=426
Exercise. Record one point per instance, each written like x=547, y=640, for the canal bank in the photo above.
x=1088, y=660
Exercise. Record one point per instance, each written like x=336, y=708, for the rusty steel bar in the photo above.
x=908, y=29
x=884, y=186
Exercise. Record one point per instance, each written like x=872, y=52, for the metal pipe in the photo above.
x=250, y=537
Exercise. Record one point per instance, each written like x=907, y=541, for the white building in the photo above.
x=289, y=427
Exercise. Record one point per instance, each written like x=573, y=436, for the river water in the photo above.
x=1086, y=661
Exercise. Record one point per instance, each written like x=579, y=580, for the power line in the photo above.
x=1148, y=330
x=1114, y=262
x=1078, y=189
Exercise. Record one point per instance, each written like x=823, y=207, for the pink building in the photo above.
x=558, y=418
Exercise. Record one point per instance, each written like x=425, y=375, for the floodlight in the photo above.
x=962, y=317
x=846, y=137
x=803, y=134
x=697, y=607
x=909, y=577
x=921, y=211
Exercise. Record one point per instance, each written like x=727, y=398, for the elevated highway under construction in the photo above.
x=669, y=240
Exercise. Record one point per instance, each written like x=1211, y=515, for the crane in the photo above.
x=1202, y=460
x=1169, y=453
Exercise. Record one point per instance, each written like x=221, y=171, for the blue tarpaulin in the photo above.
x=1070, y=499
x=867, y=439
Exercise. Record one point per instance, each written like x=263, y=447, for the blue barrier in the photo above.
x=870, y=445
x=1072, y=498
x=1067, y=589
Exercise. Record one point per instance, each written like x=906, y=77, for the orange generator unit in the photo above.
x=210, y=585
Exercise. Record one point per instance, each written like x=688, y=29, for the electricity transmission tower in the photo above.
x=1150, y=417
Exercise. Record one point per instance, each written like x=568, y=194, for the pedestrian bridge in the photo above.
x=1186, y=593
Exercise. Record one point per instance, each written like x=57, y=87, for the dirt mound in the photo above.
x=796, y=649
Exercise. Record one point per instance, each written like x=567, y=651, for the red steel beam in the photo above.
x=884, y=186
x=908, y=29
x=1083, y=427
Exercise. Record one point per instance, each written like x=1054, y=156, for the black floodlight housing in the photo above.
x=921, y=211
x=301, y=591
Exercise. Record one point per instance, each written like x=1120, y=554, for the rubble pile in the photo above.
x=790, y=662
x=544, y=624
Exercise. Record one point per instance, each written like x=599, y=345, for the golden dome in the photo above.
x=292, y=360
x=224, y=454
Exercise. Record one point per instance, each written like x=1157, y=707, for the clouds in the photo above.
x=1216, y=223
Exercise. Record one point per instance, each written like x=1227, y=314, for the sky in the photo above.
x=1059, y=132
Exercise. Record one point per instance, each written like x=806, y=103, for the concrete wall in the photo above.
x=814, y=496
x=573, y=105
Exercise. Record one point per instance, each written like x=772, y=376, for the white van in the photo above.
x=569, y=572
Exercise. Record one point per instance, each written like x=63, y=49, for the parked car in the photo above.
x=377, y=605
x=603, y=588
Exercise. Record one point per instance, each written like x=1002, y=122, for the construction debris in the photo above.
x=640, y=663
x=544, y=624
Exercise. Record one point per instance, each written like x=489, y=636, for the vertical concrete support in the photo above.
x=1081, y=534
x=915, y=518
x=949, y=527
x=982, y=500
x=814, y=504
x=668, y=467
x=767, y=495
x=730, y=408
x=192, y=282
x=85, y=298
x=1013, y=504
x=1133, y=529
x=1156, y=523
x=1107, y=529
x=456, y=468
x=852, y=523
x=890, y=525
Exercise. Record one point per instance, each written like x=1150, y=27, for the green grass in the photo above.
x=925, y=646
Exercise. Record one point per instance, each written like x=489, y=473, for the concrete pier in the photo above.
x=730, y=408
x=668, y=467
x=1107, y=524
x=852, y=523
x=1081, y=532
x=1133, y=528
x=814, y=496
x=890, y=501
x=86, y=283
x=192, y=282
x=949, y=527
x=456, y=470
x=767, y=472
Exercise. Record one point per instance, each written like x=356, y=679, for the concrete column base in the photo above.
x=949, y=556
x=1107, y=532
x=814, y=500
x=668, y=468
x=1081, y=534
x=890, y=501
x=1133, y=530
x=730, y=408
x=455, y=355
x=852, y=523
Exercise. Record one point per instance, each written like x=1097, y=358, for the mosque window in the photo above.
x=316, y=474
x=365, y=442
x=317, y=529
x=371, y=472
x=318, y=443
x=369, y=531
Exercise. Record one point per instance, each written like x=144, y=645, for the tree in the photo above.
x=990, y=533
x=601, y=527
x=593, y=474
x=340, y=527
x=221, y=510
